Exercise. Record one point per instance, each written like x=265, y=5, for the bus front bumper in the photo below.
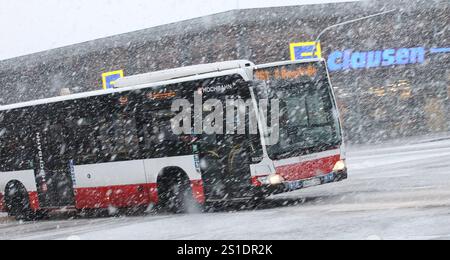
x=288, y=186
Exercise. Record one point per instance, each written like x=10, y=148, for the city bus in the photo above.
x=116, y=148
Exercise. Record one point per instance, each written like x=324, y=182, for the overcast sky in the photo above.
x=28, y=26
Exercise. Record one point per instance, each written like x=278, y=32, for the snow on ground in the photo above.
x=393, y=192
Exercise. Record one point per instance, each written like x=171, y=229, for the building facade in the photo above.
x=391, y=73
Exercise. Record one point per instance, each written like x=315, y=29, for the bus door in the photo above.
x=54, y=168
x=224, y=157
x=224, y=161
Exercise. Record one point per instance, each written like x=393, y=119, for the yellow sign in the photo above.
x=306, y=50
x=109, y=78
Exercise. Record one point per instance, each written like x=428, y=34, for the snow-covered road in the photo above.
x=393, y=192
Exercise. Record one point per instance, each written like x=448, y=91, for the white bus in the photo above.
x=115, y=148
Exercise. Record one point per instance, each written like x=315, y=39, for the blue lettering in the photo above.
x=388, y=57
x=374, y=59
x=347, y=59
x=417, y=55
x=359, y=60
x=402, y=56
x=335, y=61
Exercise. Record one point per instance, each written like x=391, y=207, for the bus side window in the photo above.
x=160, y=141
x=82, y=121
x=123, y=140
x=5, y=152
x=87, y=151
x=104, y=132
x=15, y=153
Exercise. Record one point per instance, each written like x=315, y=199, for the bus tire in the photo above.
x=18, y=202
x=175, y=192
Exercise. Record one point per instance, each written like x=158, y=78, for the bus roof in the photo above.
x=102, y=92
x=171, y=76
x=281, y=63
x=182, y=72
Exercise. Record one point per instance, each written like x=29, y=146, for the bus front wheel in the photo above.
x=175, y=193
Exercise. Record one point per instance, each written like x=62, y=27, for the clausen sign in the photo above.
x=350, y=59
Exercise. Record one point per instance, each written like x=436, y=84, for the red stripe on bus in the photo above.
x=2, y=203
x=34, y=200
x=124, y=196
x=198, y=191
x=310, y=169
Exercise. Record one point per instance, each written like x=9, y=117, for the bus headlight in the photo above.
x=271, y=179
x=275, y=179
x=340, y=166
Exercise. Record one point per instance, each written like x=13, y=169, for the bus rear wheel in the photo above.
x=18, y=202
x=175, y=194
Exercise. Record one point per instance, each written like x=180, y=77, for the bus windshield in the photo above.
x=308, y=120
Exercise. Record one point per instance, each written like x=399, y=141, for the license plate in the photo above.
x=313, y=182
x=295, y=185
x=329, y=178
